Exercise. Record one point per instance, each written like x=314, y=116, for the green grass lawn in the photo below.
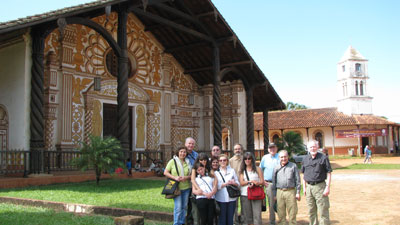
x=138, y=194
x=11, y=214
x=370, y=166
x=20, y=215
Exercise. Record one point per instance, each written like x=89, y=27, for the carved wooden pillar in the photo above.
x=217, y=99
x=66, y=76
x=122, y=97
x=50, y=98
x=249, y=119
x=265, y=130
x=89, y=107
x=207, y=115
x=37, y=90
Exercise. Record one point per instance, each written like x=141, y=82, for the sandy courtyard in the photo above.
x=360, y=196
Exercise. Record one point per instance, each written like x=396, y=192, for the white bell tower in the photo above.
x=352, y=84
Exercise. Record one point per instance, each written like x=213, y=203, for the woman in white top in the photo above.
x=226, y=203
x=207, y=187
x=251, y=209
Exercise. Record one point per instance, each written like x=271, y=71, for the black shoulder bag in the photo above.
x=233, y=191
x=171, y=187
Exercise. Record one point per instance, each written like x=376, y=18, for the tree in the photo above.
x=291, y=142
x=295, y=106
x=100, y=154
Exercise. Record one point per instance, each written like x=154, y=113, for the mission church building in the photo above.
x=150, y=73
x=346, y=129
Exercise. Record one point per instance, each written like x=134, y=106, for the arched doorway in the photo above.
x=226, y=139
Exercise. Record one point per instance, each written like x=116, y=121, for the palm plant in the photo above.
x=101, y=155
x=291, y=142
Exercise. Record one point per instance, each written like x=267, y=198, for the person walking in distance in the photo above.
x=286, y=188
x=368, y=155
x=316, y=169
x=267, y=165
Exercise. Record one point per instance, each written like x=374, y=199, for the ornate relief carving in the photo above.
x=97, y=119
x=3, y=128
x=48, y=131
x=226, y=122
x=153, y=131
x=179, y=136
x=156, y=58
x=183, y=100
x=77, y=123
x=140, y=126
x=226, y=100
x=52, y=42
x=155, y=96
x=185, y=113
x=141, y=50
x=78, y=85
x=109, y=89
x=179, y=80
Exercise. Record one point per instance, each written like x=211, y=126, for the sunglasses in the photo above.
x=223, y=160
x=248, y=159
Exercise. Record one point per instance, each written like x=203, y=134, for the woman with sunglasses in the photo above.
x=251, y=209
x=178, y=169
x=226, y=176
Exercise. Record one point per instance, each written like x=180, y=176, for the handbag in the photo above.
x=233, y=191
x=171, y=187
x=255, y=192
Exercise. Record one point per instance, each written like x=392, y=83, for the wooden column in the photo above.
x=249, y=119
x=122, y=97
x=37, y=91
x=217, y=99
x=265, y=130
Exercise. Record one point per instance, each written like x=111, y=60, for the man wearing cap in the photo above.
x=316, y=169
x=267, y=165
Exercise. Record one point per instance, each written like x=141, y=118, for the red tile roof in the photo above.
x=324, y=117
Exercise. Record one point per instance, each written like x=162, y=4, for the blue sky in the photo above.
x=297, y=44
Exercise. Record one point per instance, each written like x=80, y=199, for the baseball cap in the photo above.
x=271, y=144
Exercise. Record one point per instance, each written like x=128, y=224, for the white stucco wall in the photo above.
x=15, y=65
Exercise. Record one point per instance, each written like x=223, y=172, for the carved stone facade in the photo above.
x=165, y=105
x=3, y=128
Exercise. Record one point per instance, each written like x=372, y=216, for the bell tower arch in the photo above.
x=353, y=96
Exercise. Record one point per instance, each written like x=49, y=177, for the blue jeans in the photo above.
x=180, y=207
x=227, y=212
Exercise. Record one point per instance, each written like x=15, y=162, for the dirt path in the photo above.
x=367, y=197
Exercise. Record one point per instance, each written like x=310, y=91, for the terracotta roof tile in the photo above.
x=323, y=117
x=35, y=18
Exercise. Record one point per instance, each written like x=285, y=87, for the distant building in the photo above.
x=344, y=130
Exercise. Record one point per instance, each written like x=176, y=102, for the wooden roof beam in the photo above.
x=174, y=25
x=202, y=69
x=177, y=13
x=185, y=47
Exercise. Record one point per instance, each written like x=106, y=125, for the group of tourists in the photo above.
x=207, y=185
